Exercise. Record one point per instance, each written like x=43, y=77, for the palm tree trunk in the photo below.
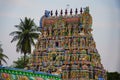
x=0, y=63
x=24, y=59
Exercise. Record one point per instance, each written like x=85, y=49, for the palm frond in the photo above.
x=15, y=33
x=32, y=41
x=34, y=35
x=2, y=57
x=22, y=23
x=19, y=27
x=15, y=38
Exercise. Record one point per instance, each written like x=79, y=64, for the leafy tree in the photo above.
x=113, y=76
x=2, y=56
x=19, y=63
x=27, y=32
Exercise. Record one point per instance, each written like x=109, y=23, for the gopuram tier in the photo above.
x=67, y=48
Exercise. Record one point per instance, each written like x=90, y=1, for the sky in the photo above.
x=106, y=27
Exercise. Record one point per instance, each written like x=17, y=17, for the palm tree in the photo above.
x=2, y=56
x=25, y=35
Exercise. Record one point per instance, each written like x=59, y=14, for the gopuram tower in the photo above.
x=67, y=48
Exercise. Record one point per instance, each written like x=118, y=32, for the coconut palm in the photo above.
x=2, y=56
x=25, y=35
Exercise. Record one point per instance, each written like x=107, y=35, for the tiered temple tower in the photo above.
x=66, y=47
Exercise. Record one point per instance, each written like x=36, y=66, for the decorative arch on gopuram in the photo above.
x=66, y=46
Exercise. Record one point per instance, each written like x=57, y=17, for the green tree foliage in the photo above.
x=113, y=76
x=2, y=56
x=27, y=32
x=19, y=63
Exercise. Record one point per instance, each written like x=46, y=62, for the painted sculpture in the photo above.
x=66, y=47
x=7, y=73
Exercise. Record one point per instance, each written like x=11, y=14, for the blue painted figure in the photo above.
x=47, y=13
